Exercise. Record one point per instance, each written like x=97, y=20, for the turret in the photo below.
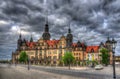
x=19, y=43
x=108, y=44
x=101, y=45
x=69, y=38
x=46, y=34
x=79, y=44
x=31, y=39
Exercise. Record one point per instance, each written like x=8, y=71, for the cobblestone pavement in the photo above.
x=46, y=72
x=12, y=72
x=106, y=70
x=84, y=72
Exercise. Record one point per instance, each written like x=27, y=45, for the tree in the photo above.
x=105, y=56
x=68, y=58
x=23, y=57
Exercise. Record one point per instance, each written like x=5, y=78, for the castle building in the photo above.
x=47, y=51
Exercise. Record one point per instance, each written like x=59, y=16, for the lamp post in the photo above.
x=28, y=63
x=15, y=61
x=83, y=55
x=113, y=51
x=36, y=56
x=45, y=56
x=60, y=53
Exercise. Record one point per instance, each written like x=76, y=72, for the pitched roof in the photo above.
x=74, y=45
x=83, y=45
x=31, y=44
x=52, y=42
x=92, y=48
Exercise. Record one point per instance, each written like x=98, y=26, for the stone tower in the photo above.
x=69, y=38
x=46, y=34
x=19, y=43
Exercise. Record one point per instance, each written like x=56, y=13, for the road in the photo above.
x=84, y=74
x=40, y=72
x=7, y=72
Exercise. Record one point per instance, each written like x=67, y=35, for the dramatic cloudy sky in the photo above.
x=90, y=20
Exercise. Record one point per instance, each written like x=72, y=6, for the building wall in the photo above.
x=42, y=51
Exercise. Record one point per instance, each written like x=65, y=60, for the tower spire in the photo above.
x=69, y=37
x=46, y=34
x=19, y=43
x=46, y=16
x=69, y=30
x=108, y=38
x=46, y=22
x=20, y=35
x=31, y=39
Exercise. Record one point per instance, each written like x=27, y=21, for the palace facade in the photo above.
x=47, y=51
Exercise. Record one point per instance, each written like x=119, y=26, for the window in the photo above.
x=77, y=53
x=55, y=52
x=76, y=58
x=96, y=55
x=49, y=57
x=40, y=53
x=54, y=57
x=32, y=57
x=49, y=52
x=56, y=46
x=54, y=62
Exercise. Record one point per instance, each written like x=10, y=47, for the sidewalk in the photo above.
x=81, y=72
x=106, y=70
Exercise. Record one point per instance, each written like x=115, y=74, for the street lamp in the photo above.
x=28, y=63
x=15, y=61
x=45, y=56
x=60, y=52
x=83, y=55
x=114, y=43
x=36, y=57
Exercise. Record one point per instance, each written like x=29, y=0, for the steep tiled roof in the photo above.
x=82, y=44
x=74, y=45
x=92, y=48
x=31, y=44
x=52, y=42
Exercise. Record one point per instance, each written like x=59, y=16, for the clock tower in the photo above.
x=46, y=34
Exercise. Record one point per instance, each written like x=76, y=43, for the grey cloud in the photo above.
x=91, y=20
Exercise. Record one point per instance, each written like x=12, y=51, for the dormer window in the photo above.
x=92, y=50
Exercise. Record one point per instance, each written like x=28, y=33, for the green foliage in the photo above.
x=79, y=63
x=68, y=58
x=88, y=62
x=75, y=62
x=105, y=56
x=93, y=62
x=23, y=57
x=60, y=63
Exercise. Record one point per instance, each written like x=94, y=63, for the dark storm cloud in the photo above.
x=90, y=20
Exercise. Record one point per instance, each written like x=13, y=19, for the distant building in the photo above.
x=46, y=51
x=117, y=59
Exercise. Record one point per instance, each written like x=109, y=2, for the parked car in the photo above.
x=98, y=67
